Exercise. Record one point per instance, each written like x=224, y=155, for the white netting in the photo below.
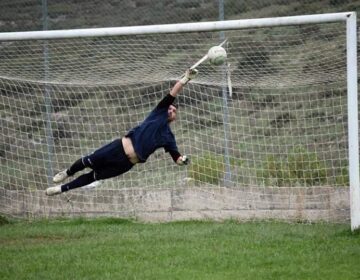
x=278, y=144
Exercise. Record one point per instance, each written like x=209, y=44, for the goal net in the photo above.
x=276, y=147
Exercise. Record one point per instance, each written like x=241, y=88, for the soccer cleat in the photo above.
x=53, y=190
x=61, y=176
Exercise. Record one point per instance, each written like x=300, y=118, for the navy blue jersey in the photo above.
x=154, y=132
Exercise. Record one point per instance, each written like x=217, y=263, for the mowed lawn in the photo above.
x=120, y=249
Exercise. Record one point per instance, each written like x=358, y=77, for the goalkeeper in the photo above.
x=121, y=155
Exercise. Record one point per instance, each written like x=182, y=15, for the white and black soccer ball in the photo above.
x=217, y=55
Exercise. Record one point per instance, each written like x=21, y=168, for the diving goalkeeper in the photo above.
x=121, y=155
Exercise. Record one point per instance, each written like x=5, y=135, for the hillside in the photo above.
x=23, y=15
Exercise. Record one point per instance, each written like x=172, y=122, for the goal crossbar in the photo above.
x=175, y=28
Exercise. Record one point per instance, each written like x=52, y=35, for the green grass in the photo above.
x=120, y=249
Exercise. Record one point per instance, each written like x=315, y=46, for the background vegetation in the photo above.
x=23, y=15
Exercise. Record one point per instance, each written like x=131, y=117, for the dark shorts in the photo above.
x=108, y=161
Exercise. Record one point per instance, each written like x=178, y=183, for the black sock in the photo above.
x=76, y=167
x=81, y=181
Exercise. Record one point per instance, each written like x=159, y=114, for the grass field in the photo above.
x=120, y=249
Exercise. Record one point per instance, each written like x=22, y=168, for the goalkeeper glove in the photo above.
x=184, y=160
x=189, y=75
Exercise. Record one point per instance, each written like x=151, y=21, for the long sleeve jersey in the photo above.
x=154, y=132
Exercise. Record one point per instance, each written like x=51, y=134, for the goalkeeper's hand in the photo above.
x=183, y=160
x=189, y=75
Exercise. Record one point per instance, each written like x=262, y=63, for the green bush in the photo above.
x=343, y=178
x=306, y=167
x=3, y=220
x=208, y=168
x=300, y=167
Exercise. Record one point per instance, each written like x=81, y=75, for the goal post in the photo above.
x=291, y=153
x=352, y=90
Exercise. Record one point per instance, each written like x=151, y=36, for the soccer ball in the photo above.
x=217, y=55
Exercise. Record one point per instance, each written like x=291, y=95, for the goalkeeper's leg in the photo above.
x=107, y=162
x=77, y=166
x=95, y=160
x=81, y=181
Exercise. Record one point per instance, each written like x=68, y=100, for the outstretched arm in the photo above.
x=189, y=75
x=176, y=89
x=178, y=158
x=183, y=160
x=169, y=99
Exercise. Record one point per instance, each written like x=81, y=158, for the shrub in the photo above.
x=208, y=168
x=306, y=167
x=4, y=220
x=300, y=167
x=343, y=178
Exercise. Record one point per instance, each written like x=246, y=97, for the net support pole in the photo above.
x=47, y=100
x=227, y=174
x=352, y=92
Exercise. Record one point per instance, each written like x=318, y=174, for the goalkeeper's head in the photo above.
x=171, y=113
